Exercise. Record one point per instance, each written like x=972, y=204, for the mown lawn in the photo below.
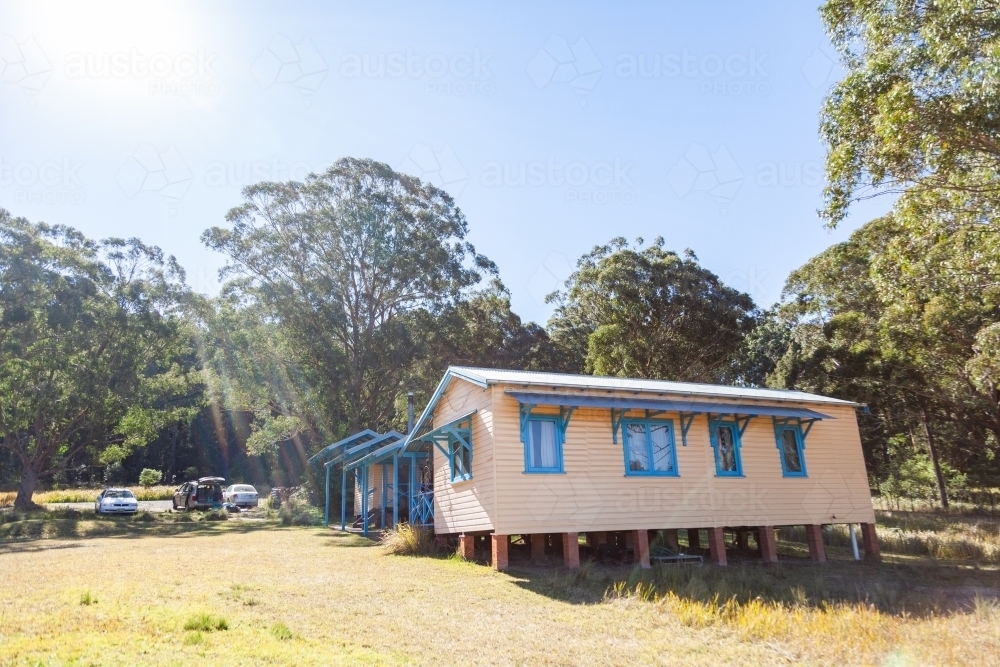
x=244, y=592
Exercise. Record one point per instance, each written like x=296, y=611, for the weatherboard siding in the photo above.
x=466, y=506
x=374, y=482
x=594, y=493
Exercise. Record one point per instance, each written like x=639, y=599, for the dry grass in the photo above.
x=308, y=596
x=408, y=541
x=939, y=536
x=88, y=495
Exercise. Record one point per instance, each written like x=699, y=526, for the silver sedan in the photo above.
x=241, y=495
x=116, y=501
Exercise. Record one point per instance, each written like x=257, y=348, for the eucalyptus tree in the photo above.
x=903, y=317
x=919, y=106
x=648, y=312
x=335, y=263
x=95, y=354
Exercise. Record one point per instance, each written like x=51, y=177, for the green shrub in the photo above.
x=206, y=623
x=149, y=477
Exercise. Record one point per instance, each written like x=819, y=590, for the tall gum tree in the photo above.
x=335, y=262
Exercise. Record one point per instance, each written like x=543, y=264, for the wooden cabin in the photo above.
x=556, y=459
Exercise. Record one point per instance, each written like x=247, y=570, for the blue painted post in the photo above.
x=326, y=512
x=385, y=492
x=413, y=479
x=364, y=499
x=395, y=490
x=343, y=501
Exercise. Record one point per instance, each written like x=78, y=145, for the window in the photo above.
x=543, y=446
x=790, y=446
x=649, y=448
x=726, y=443
x=460, y=457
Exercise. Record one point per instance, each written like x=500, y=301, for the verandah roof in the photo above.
x=332, y=450
x=665, y=405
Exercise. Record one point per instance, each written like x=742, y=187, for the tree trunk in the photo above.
x=26, y=489
x=935, y=461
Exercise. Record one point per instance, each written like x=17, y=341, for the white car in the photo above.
x=116, y=501
x=241, y=495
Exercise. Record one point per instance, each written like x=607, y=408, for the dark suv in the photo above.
x=206, y=493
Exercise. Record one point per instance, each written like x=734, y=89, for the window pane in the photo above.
x=638, y=453
x=663, y=456
x=790, y=450
x=727, y=448
x=543, y=444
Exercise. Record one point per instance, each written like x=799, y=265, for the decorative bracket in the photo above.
x=616, y=423
x=687, y=418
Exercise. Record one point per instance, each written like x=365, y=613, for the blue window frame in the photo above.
x=725, y=437
x=460, y=457
x=543, y=444
x=791, y=449
x=649, y=447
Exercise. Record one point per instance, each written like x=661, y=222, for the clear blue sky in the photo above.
x=556, y=126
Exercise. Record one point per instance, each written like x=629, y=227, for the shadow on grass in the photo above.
x=920, y=588
x=347, y=539
x=17, y=531
x=891, y=588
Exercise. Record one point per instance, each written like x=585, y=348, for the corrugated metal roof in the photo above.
x=629, y=402
x=486, y=376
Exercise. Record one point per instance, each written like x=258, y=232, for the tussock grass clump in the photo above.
x=406, y=540
x=206, y=623
x=216, y=515
x=281, y=632
x=87, y=599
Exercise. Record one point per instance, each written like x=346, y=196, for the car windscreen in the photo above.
x=118, y=493
x=244, y=488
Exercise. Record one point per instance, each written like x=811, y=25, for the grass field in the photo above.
x=177, y=589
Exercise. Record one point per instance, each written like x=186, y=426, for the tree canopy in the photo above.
x=648, y=312
x=919, y=108
x=95, y=355
x=329, y=270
